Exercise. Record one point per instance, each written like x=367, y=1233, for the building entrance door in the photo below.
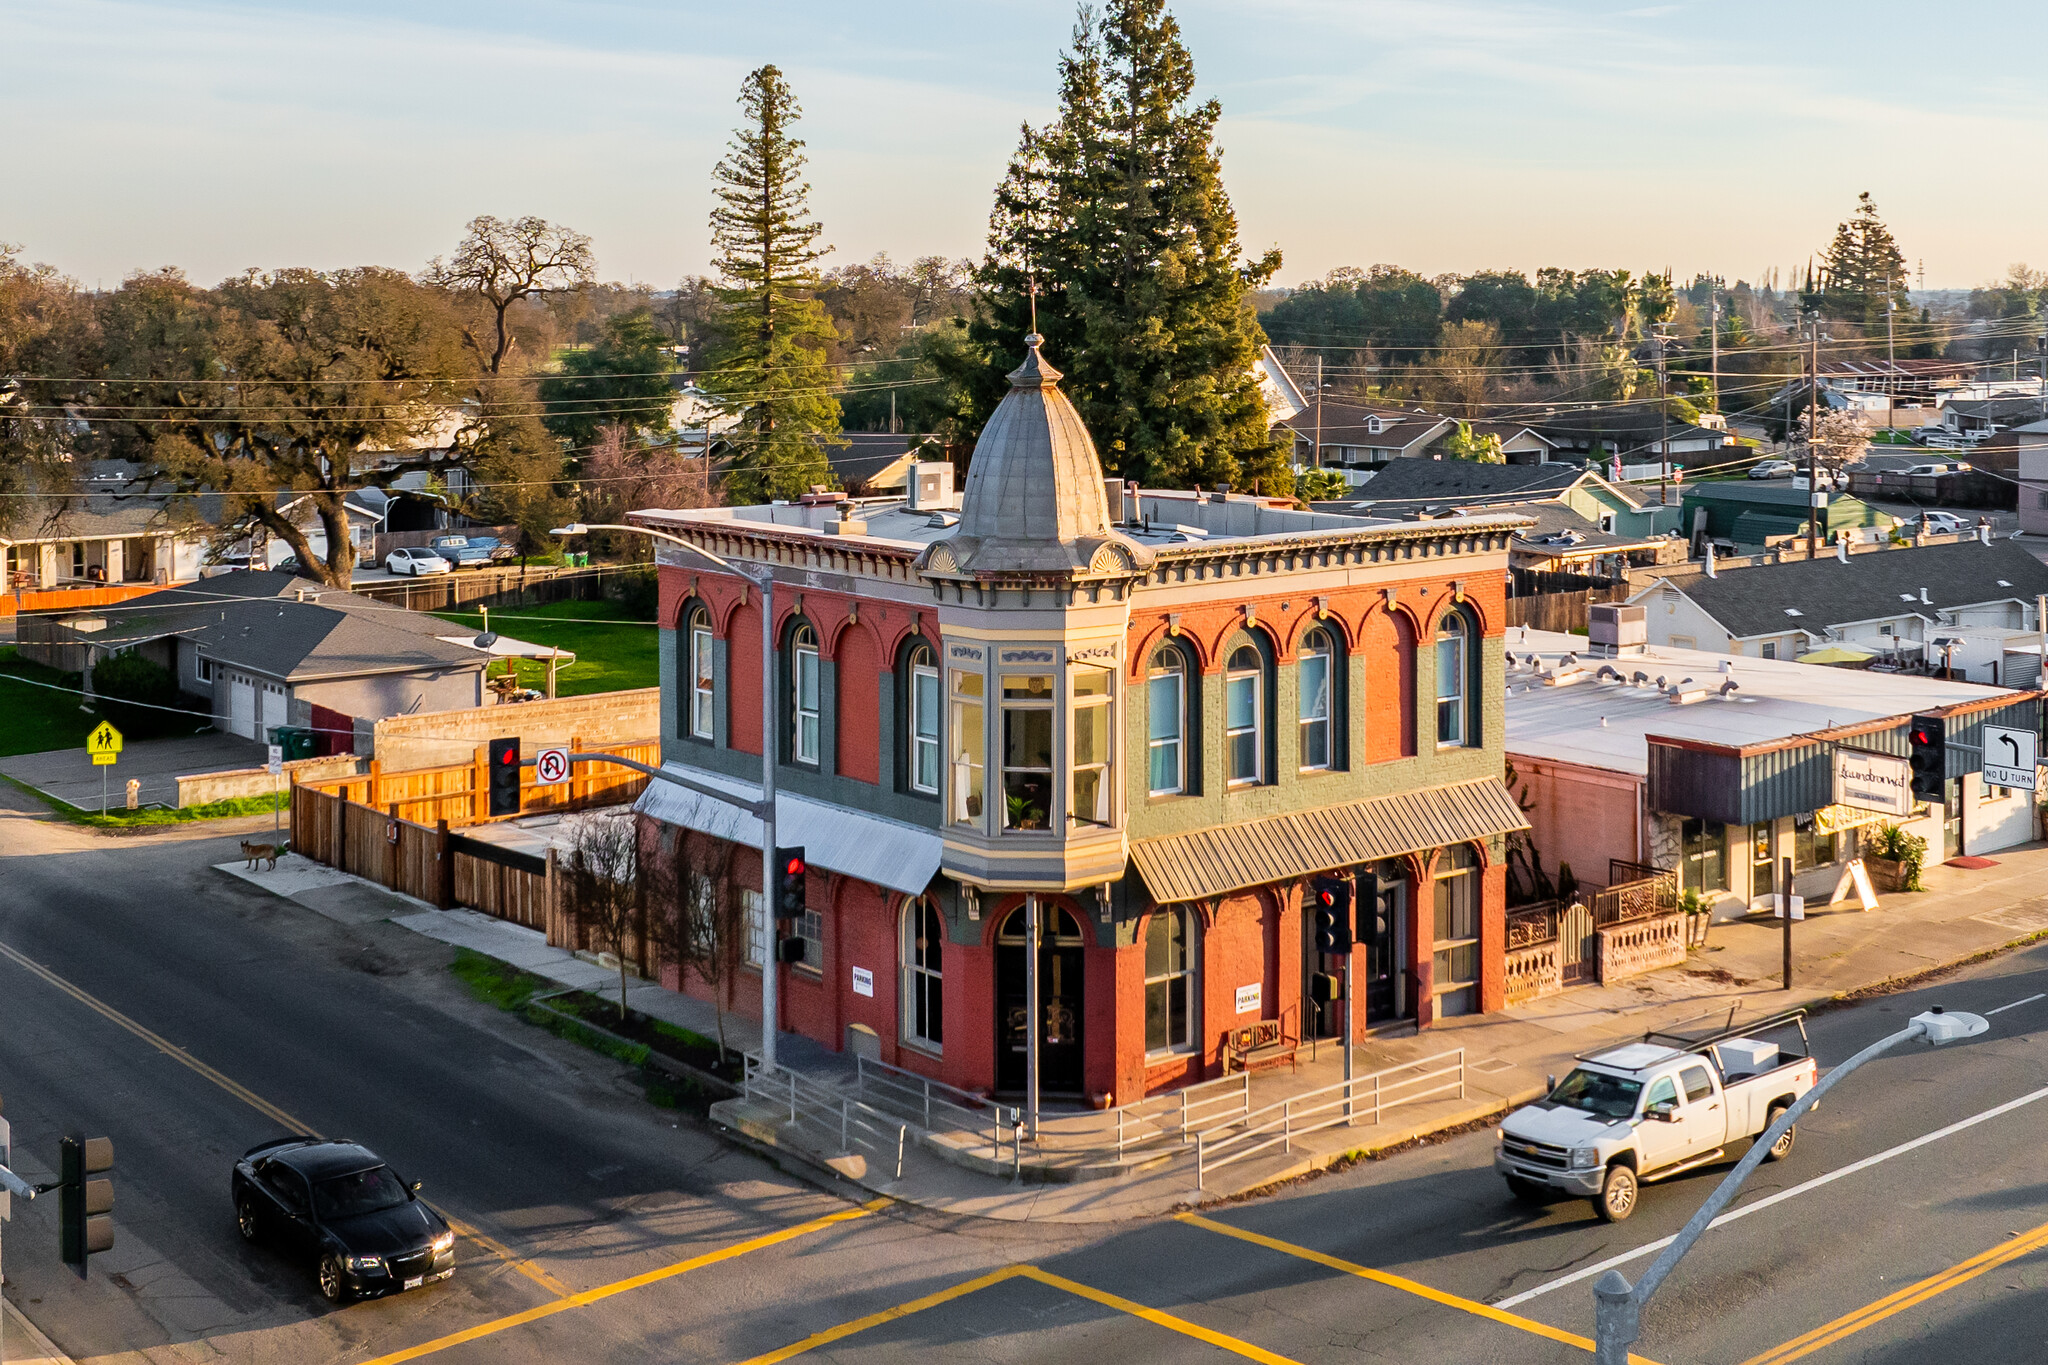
x=1060, y=966
x=1382, y=924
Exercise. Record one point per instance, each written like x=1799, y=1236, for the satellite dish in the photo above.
x=485, y=640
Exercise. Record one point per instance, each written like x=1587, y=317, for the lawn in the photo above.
x=616, y=647
x=37, y=718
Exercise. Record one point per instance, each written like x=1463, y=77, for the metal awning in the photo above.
x=887, y=853
x=1225, y=858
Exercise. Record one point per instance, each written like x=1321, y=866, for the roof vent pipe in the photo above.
x=1842, y=551
x=1730, y=686
x=1925, y=600
x=1984, y=533
x=1710, y=560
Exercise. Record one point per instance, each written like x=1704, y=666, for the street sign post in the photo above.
x=103, y=744
x=2011, y=757
x=551, y=766
x=276, y=766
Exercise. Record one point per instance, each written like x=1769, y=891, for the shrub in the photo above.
x=130, y=678
x=1909, y=850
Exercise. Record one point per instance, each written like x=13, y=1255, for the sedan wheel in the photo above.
x=245, y=1219
x=1617, y=1198
x=333, y=1287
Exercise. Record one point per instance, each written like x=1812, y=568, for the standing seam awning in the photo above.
x=1225, y=858
x=869, y=848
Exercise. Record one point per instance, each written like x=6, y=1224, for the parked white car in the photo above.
x=415, y=560
x=1772, y=469
x=1942, y=523
x=1941, y=467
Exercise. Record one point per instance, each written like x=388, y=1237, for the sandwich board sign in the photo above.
x=2010, y=757
x=103, y=744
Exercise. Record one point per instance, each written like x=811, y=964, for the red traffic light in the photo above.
x=1326, y=897
x=508, y=756
x=795, y=867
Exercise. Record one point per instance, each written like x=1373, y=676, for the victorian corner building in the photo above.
x=1146, y=718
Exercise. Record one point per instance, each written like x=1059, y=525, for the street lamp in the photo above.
x=764, y=809
x=1618, y=1309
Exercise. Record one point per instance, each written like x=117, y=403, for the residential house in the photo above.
x=1719, y=768
x=1414, y=487
x=1361, y=440
x=1631, y=434
x=1564, y=541
x=1750, y=513
x=1895, y=605
x=2030, y=453
x=1154, y=716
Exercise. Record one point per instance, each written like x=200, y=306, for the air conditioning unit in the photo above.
x=930, y=487
x=1613, y=627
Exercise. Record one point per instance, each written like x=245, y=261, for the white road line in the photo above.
x=2016, y=1004
x=1652, y=1248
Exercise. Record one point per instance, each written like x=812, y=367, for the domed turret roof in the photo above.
x=1034, y=502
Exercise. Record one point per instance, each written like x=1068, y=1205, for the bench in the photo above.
x=1253, y=1047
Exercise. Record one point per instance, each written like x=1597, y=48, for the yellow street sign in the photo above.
x=102, y=760
x=104, y=739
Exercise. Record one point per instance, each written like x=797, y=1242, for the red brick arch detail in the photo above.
x=722, y=613
x=996, y=909
x=1238, y=625
x=1141, y=657
x=846, y=627
x=901, y=636
x=1442, y=602
x=1347, y=635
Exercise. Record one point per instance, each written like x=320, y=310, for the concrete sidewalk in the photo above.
x=1836, y=952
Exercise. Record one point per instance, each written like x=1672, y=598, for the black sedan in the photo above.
x=337, y=1204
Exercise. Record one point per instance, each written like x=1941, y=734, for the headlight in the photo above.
x=444, y=1241
x=365, y=1263
x=1585, y=1158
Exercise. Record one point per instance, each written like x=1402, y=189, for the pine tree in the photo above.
x=1863, y=268
x=769, y=370
x=1116, y=210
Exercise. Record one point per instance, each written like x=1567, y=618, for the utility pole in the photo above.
x=1813, y=494
x=1891, y=379
x=1315, y=457
x=1663, y=425
x=1714, y=347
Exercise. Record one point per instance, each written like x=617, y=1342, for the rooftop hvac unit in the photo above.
x=1610, y=625
x=930, y=487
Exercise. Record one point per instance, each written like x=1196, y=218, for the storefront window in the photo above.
x=1169, y=982
x=1763, y=862
x=967, y=744
x=1027, y=751
x=757, y=927
x=1091, y=746
x=1704, y=848
x=1812, y=846
x=1457, y=931
x=924, y=999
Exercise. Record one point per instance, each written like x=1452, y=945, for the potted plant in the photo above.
x=1895, y=859
x=1698, y=915
x=1024, y=814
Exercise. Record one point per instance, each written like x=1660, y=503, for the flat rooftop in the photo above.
x=1570, y=714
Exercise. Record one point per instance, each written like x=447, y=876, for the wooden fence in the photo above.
x=460, y=793
x=1561, y=611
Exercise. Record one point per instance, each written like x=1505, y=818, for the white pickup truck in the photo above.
x=1648, y=1110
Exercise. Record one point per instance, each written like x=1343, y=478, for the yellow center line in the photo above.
x=1406, y=1286
x=589, y=1296
x=262, y=1106
x=1899, y=1301
x=995, y=1277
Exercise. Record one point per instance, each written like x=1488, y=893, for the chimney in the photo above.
x=1710, y=560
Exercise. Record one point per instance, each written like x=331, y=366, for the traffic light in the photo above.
x=1325, y=987
x=85, y=1207
x=791, y=950
x=1929, y=736
x=789, y=883
x=505, y=776
x=1332, y=899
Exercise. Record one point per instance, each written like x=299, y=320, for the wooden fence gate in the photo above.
x=1578, y=943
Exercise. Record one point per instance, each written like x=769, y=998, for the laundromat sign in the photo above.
x=1882, y=782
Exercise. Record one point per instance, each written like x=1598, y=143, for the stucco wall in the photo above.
x=434, y=738
x=1580, y=815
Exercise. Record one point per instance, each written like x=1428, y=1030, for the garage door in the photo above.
x=242, y=707
x=273, y=710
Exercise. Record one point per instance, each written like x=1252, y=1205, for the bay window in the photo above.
x=1027, y=751
x=967, y=740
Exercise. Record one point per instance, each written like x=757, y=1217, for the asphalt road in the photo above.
x=606, y=1233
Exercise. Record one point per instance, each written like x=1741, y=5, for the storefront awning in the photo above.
x=887, y=853
x=1226, y=858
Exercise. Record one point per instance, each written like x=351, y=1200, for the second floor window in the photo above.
x=1166, y=715
x=701, y=706
x=1242, y=742
x=924, y=720
x=1450, y=680
x=803, y=667
x=1313, y=675
x=1027, y=751
x=967, y=738
x=1090, y=795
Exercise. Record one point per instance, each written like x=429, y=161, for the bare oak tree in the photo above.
x=605, y=891
x=505, y=262
x=695, y=913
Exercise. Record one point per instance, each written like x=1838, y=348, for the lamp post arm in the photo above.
x=1617, y=1309
x=584, y=526
x=753, y=808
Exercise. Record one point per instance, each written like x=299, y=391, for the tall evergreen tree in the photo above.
x=769, y=369
x=1116, y=210
x=1862, y=269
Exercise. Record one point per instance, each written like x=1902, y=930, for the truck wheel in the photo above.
x=1527, y=1191
x=1782, y=1148
x=1617, y=1197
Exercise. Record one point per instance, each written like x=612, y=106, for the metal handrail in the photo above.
x=1327, y=1107
x=936, y=1102
x=825, y=1109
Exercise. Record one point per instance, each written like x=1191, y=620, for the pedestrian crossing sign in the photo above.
x=103, y=743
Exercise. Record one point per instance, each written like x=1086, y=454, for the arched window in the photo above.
x=702, y=686
x=1452, y=652
x=803, y=670
x=1313, y=676
x=923, y=757
x=1456, y=967
x=1243, y=707
x=1166, y=715
x=1170, y=995
x=924, y=992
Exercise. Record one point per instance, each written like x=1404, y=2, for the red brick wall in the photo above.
x=743, y=678
x=1388, y=641
x=860, y=713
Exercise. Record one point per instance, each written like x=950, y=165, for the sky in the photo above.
x=1440, y=135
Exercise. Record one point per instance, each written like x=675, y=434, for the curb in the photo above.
x=50, y=1354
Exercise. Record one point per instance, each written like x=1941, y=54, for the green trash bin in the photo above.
x=297, y=741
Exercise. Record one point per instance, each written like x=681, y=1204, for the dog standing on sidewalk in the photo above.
x=264, y=853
